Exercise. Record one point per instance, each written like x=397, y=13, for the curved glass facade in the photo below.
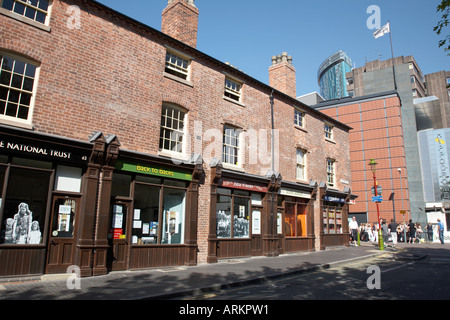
x=331, y=76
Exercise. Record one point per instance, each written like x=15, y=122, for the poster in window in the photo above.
x=153, y=227
x=256, y=222
x=172, y=221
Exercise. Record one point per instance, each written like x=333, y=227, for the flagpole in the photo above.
x=392, y=52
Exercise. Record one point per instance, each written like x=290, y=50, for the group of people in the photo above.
x=409, y=233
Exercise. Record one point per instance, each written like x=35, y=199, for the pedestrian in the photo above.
x=419, y=232
x=393, y=231
x=429, y=228
x=385, y=232
x=353, y=225
x=441, y=230
x=375, y=232
x=412, y=232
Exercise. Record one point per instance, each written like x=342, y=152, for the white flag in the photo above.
x=381, y=32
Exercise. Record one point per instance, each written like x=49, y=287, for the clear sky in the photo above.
x=247, y=33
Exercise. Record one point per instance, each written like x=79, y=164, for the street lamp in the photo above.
x=373, y=167
x=403, y=208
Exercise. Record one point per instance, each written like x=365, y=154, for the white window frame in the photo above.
x=233, y=89
x=331, y=172
x=11, y=120
x=175, y=132
x=300, y=173
x=299, y=118
x=328, y=131
x=236, y=147
x=179, y=65
x=22, y=16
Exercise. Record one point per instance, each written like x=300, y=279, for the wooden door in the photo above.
x=120, y=236
x=61, y=244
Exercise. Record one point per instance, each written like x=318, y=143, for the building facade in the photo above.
x=331, y=76
x=123, y=148
x=376, y=134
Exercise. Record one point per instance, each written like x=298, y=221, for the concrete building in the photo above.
x=124, y=148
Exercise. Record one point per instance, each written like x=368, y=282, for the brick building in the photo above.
x=377, y=133
x=147, y=152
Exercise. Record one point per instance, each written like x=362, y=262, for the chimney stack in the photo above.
x=282, y=75
x=180, y=21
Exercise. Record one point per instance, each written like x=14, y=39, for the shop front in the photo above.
x=152, y=213
x=42, y=182
x=241, y=216
x=295, y=217
x=334, y=220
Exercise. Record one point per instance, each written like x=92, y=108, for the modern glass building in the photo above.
x=331, y=76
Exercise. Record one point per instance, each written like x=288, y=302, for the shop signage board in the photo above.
x=334, y=199
x=295, y=193
x=153, y=170
x=235, y=184
x=42, y=150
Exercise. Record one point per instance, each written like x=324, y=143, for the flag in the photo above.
x=382, y=31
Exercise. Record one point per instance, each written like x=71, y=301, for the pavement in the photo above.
x=177, y=282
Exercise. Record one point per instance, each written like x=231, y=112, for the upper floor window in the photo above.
x=299, y=118
x=36, y=10
x=233, y=89
x=17, y=82
x=230, y=153
x=177, y=65
x=301, y=164
x=328, y=129
x=331, y=172
x=172, y=128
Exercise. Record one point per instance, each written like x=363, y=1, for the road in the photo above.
x=417, y=273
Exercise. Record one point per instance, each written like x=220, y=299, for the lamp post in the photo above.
x=403, y=207
x=373, y=167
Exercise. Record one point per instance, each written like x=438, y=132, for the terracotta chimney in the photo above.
x=282, y=75
x=180, y=21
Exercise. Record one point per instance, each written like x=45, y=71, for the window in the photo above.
x=232, y=89
x=295, y=217
x=17, y=79
x=36, y=10
x=230, y=153
x=299, y=118
x=177, y=66
x=172, y=128
x=301, y=172
x=233, y=219
x=328, y=131
x=330, y=172
x=332, y=219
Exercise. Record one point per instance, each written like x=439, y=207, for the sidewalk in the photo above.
x=178, y=281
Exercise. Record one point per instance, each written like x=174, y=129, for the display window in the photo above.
x=295, y=217
x=24, y=204
x=332, y=219
x=158, y=211
x=233, y=217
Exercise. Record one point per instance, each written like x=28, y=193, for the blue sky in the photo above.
x=247, y=33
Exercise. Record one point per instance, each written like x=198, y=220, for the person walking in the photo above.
x=393, y=231
x=412, y=232
x=353, y=225
x=429, y=228
x=441, y=230
x=385, y=232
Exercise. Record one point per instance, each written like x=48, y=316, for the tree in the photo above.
x=444, y=7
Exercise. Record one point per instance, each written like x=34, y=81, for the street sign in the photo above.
x=402, y=211
x=379, y=190
x=377, y=199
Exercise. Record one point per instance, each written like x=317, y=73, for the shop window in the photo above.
x=25, y=206
x=120, y=185
x=17, y=79
x=172, y=128
x=295, y=219
x=230, y=153
x=151, y=227
x=332, y=219
x=63, y=218
x=233, y=220
x=36, y=10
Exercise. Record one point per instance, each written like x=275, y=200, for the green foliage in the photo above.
x=444, y=7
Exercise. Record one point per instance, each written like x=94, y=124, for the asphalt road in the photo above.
x=421, y=273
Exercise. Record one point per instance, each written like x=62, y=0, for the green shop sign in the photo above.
x=153, y=170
